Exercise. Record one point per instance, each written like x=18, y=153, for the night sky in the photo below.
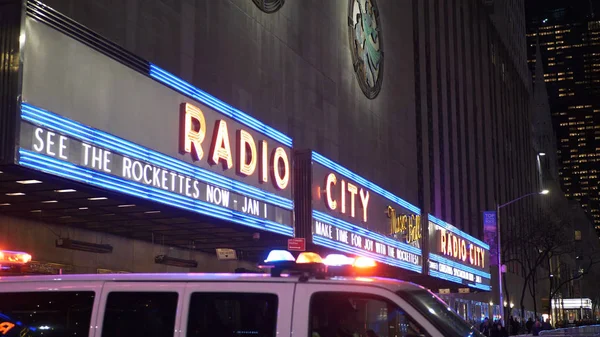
x=541, y=8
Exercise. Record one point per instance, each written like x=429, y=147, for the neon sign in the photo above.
x=408, y=226
x=458, y=248
x=353, y=215
x=5, y=327
x=194, y=131
x=457, y=256
x=346, y=190
x=63, y=147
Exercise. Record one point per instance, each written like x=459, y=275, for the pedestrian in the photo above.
x=499, y=331
x=529, y=325
x=546, y=325
x=514, y=326
x=484, y=328
x=537, y=327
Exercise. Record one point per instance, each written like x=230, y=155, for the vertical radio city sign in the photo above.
x=457, y=256
x=353, y=215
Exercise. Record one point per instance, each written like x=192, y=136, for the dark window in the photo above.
x=47, y=314
x=133, y=314
x=232, y=315
x=334, y=314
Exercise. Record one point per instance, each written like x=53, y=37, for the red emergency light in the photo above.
x=12, y=257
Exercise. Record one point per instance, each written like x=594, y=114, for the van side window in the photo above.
x=339, y=314
x=48, y=314
x=232, y=315
x=140, y=314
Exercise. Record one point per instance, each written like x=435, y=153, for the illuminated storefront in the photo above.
x=572, y=309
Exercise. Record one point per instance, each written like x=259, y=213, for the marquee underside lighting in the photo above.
x=70, y=171
x=185, y=88
x=457, y=232
x=316, y=157
x=99, y=138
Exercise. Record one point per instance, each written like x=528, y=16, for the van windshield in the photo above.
x=442, y=317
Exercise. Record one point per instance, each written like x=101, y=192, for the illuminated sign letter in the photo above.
x=454, y=246
x=5, y=327
x=246, y=146
x=443, y=242
x=463, y=250
x=364, y=200
x=219, y=148
x=472, y=254
x=264, y=164
x=353, y=191
x=329, y=181
x=343, y=195
x=193, y=130
x=414, y=225
x=481, y=257
x=281, y=179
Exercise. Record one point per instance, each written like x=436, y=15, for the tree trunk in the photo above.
x=525, y=283
x=551, y=292
x=533, y=292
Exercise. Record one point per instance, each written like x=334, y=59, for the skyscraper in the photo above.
x=569, y=42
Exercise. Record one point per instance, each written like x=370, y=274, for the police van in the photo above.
x=300, y=297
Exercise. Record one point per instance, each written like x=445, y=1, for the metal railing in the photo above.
x=580, y=331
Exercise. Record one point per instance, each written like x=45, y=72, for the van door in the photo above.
x=140, y=309
x=237, y=309
x=335, y=310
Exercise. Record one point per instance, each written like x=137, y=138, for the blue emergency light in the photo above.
x=280, y=256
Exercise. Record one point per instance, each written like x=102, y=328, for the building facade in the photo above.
x=561, y=55
x=414, y=105
x=569, y=43
x=509, y=19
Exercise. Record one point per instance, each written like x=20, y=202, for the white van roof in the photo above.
x=390, y=284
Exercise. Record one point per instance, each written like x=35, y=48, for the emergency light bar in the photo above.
x=312, y=263
x=12, y=257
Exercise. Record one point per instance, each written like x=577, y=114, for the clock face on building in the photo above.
x=366, y=45
x=269, y=6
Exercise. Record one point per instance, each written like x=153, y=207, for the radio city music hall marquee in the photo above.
x=353, y=215
x=456, y=256
x=258, y=192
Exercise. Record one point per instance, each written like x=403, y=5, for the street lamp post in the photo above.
x=499, y=253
